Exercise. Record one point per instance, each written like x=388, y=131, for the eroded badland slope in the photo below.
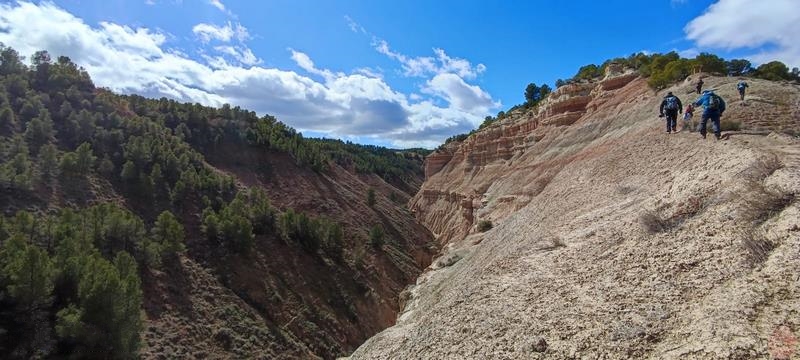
x=611, y=239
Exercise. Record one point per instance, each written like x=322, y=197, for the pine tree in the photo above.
x=168, y=232
x=39, y=130
x=48, y=163
x=8, y=122
x=261, y=213
x=106, y=167
x=157, y=178
x=376, y=236
x=28, y=272
x=371, y=197
x=18, y=172
x=211, y=225
x=85, y=159
x=69, y=165
x=128, y=309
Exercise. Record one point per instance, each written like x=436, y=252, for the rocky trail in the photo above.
x=634, y=244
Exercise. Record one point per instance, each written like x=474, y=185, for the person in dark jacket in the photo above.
x=742, y=86
x=699, y=85
x=670, y=107
x=713, y=106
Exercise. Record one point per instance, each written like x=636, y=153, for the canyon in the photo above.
x=610, y=238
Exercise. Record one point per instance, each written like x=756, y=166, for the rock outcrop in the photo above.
x=611, y=239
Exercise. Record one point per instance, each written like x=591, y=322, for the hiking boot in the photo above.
x=703, y=135
x=716, y=137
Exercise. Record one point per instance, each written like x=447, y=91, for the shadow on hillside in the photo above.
x=169, y=289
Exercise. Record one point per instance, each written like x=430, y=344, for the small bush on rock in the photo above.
x=485, y=225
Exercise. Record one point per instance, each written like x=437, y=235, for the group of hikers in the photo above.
x=712, y=104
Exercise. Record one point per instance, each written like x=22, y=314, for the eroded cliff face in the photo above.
x=611, y=239
x=458, y=178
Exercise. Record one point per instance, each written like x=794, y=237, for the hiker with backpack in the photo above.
x=688, y=114
x=699, y=85
x=714, y=107
x=741, y=86
x=670, y=107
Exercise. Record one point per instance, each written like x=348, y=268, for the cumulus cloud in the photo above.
x=458, y=93
x=225, y=33
x=139, y=60
x=769, y=28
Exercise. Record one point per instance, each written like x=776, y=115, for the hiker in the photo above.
x=670, y=107
x=741, y=86
x=699, y=85
x=714, y=107
x=688, y=114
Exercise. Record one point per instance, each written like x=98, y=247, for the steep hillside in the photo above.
x=611, y=239
x=138, y=226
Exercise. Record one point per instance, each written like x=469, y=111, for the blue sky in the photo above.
x=401, y=74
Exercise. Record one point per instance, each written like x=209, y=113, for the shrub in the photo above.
x=485, y=225
x=376, y=236
x=653, y=223
x=371, y=197
x=756, y=246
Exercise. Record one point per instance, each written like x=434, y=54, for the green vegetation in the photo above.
x=665, y=69
x=371, y=197
x=74, y=273
x=485, y=225
x=71, y=275
x=310, y=233
x=376, y=236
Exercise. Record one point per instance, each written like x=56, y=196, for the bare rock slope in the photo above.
x=611, y=239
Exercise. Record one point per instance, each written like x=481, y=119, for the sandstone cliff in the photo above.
x=611, y=239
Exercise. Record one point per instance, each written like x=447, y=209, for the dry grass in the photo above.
x=691, y=207
x=730, y=125
x=762, y=169
x=756, y=246
x=653, y=222
x=762, y=203
x=553, y=242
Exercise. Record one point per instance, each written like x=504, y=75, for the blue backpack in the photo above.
x=672, y=103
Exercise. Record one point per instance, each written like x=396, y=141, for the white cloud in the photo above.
x=689, y=53
x=354, y=26
x=241, y=54
x=457, y=92
x=138, y=60
x=770, y=28
x=425, y=65
x=217, y=4
x=208, y=32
